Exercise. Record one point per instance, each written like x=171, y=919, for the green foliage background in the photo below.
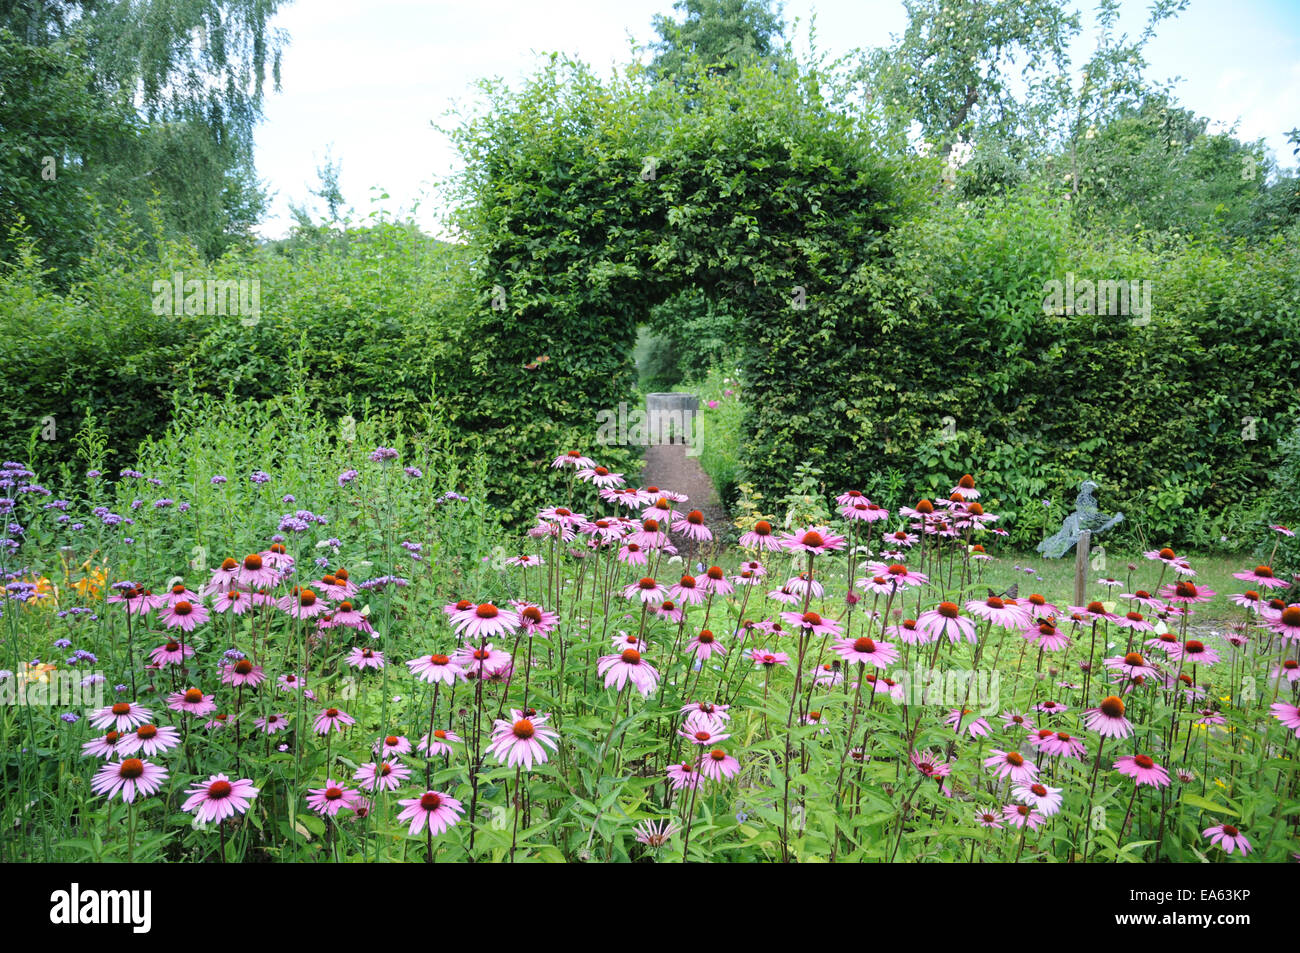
x=759, y=222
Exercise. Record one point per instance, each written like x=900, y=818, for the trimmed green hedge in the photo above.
x=363, y=318
x=954, y=367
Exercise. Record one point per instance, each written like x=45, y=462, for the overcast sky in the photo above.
x=367, y=80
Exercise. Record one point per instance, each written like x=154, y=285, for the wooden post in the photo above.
x=1081, y=566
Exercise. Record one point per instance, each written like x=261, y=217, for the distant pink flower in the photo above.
x=946, y=619
x=330, y=799
x=192, y=700
x=996, y=610
x=439, y=743
x=435, y=668
x=692, y=526
x=715, y=581
x=388, y=775
x=183, y=615
x=975, y=727
x=105, y=746
x=363, y=657
x=760, y=538
x=1011, y=719
x=701, y=729
x=138, y=601
x=929, y=765
x=1186, y=592
x=128, y=777
x=522, y=741
x=599, y=476
x=863, y=510
x=255, y=573
x=150, y=739
x=1227, y=837
x=866, y=651
x=223, y=578
x=563, y=517
x=440, y=811
x=1261, y=576
x=633, y=555
x=1039, y=796
x=234, y=601
x=573, y=459
x=1133, y=620
x=1193, y=652
x=1143, y=770
x=483, y=661
x=1249, y=599
x=815, y=540
x=707, y=708
x=170, y=653
x=650, y=536
x=898, y=574
x=332, y=719
x=486, y=621
x=219, y=798
x=122, y=716
x=717, y=765
x=1010, y=764
x=812, y=622
x=647, y=590
x=272, y=723
x=1107, y=719
x=1132, y=665
x=769, y=659
x=1047, y=637
x=1022, y=815
x=654, y=834
x=688, y=592
x=1063, y=745
x=391, y=745
x=683, y=775
x=243, y=672
x=628, y=666
x=704, y=645
x=534, y=620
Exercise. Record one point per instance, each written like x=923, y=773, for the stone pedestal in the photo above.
x=671, y=417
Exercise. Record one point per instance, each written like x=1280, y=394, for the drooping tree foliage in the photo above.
x=112, y=103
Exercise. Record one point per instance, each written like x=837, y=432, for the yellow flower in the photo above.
x=90, y=585
x=46, y=595
x=37, y=673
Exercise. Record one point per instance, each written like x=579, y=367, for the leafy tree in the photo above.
x=957, y=68
x=51, y=119
x=722, y=34
x=1158, y=167
x=180, y=84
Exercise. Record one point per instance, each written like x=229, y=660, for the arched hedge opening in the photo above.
x=587, y=203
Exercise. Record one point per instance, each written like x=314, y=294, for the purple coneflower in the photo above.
x=219, y=798
x=128, y=777
x=522, y=741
